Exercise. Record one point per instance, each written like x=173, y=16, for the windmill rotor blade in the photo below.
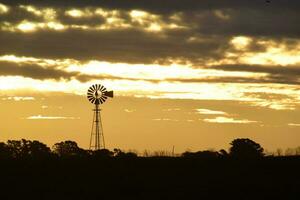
x=97, y=101
x=90, y=90
x=103, y=99
x=90, y=99
x=103, y=89
x=90, y=95
x=98, y=86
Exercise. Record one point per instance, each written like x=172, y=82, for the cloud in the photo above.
x=107, y=30
x=228, y=120
x=210, y=112
x=129, y=110
x=18, y=98
x=171, y=109
x=274, y=73
x=165, y=119
x=33, y=71
x=36, y=71
x=41, y=117
x=129, y=46
x=3, y=9
x=293, y=124
x=167, y=6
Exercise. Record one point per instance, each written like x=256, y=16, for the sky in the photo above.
x=192, y=75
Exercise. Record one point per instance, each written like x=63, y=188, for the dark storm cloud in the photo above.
x=209, y=27
x=272, y=70
x=166, y=5
x=38, y=72
x=275, y=74
x=131, y=46
x=41, y=73
x=18, y=14
x=254, y=18
x=268, y=79
x=33, y=71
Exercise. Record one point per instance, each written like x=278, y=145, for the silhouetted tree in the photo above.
x=120, y=154
x=202, y=154
x=245, y=148
x=4, y=151
x=290, y=152
x=68, y=148
x=26, y=148
x=103, y=153
x=223, y=153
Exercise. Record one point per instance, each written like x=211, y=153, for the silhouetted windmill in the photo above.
x=97, y=94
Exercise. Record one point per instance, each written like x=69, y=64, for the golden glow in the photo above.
x=47, y=13
x=138, y=14
x=153, y=72
x=173, y=81
x=241, y=42
x=55, y=26
x=27, y=26
x=274, y=55
x=75, y=13
x=166, y=90
x=101, y=12
x=143, y=18
x=3, y=9
x=154, y=27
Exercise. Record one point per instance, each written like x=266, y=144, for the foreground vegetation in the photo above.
x=30, y=169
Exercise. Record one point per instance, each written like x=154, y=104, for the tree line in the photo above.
x=242, y=148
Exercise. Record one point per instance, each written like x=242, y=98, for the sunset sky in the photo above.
x=190, y=74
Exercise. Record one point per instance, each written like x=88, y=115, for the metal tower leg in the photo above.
x=97, y=137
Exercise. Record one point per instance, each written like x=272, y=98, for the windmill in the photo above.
x=97, y=94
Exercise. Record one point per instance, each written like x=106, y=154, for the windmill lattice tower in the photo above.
x=97, y=94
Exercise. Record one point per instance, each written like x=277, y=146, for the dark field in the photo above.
x=150, y=178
